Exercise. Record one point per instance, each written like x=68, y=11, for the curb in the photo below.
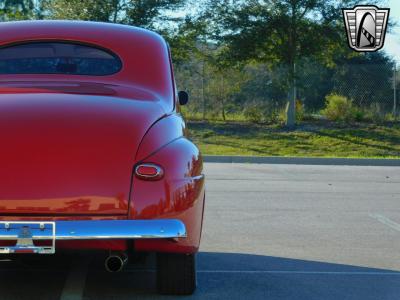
x=302, y=160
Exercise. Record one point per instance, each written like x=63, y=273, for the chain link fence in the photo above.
x=260, y=93
x=370, y=87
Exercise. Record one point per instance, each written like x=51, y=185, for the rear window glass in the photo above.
x=57, y=58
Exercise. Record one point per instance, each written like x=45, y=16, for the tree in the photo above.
x=143, y=13
x=151, y=14
x=357, y=78
x=87, y=10
x=16, y=9
x=147, y=13
x=279, y=33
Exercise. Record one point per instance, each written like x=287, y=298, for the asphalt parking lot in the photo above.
x=270, y=232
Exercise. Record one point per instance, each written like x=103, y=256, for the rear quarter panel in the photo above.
x=179, y=194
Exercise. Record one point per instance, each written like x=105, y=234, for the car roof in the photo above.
x=144, y=54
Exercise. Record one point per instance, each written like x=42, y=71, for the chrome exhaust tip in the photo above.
x=115, y=262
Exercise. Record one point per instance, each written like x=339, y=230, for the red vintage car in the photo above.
x=94, y=153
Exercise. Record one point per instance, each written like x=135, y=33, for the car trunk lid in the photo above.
x=69, y=154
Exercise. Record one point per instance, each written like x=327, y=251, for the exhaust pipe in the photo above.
x=115, y=262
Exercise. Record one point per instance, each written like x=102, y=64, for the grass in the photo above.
x=314, y=139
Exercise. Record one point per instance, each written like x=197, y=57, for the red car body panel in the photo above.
x=72, y=154
x=144, y=54
x=70, y=142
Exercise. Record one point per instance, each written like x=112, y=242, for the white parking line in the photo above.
x=386, y=221
x=300, y=272
x=294, y=272
x=75, y=283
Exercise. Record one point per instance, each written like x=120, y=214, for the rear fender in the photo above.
x=160, y=134
x=178, y=195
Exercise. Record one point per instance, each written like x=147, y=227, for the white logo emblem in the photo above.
x=366, y=27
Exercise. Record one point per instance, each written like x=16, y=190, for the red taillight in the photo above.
x=149, y=172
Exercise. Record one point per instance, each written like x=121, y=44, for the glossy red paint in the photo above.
x=144, y=56
x=70, y=143
x=179, y=195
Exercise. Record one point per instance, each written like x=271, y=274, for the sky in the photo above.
x=392, y=42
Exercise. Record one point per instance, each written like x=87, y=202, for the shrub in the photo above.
x=299, y=111
x=254, y=113
x=374, y=114
x=340, y=108
x=207, y=134
x=282, y=116
x=357, y=115
x=260, y=112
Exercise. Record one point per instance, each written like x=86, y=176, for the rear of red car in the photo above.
x=94, y=154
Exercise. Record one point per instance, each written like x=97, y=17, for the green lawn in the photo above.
x=316, y=139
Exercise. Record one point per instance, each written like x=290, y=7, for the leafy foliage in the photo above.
x=132, y=12
x=340, y=108
x=16, y=9
x=278, y=31
x=259, y=112
x=358, y=79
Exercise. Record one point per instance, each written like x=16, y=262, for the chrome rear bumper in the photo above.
x=26, y=233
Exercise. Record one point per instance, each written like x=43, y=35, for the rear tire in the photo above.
x=176, y=273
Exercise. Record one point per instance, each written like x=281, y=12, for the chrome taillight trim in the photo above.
x=159, y=175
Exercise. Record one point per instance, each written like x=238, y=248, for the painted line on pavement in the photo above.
x=356, y=273
x=384, y=162
x=386, y=221
x=301, y=272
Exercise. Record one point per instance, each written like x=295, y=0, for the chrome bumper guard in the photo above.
x=26, y=233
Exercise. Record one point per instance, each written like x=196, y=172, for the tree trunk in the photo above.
x=223, y=97
x=116, y=8
x=291, y=106
x=202, y=90
x=395, y=91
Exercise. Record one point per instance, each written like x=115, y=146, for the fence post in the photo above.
x=395, y=91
